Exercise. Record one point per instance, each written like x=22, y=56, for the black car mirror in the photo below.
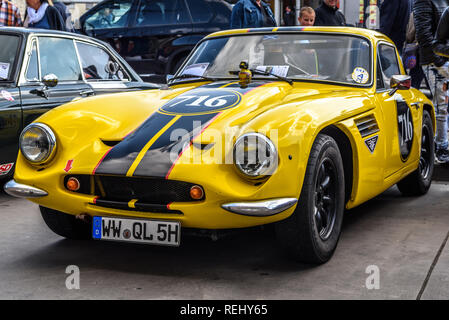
x=50, y=80
x=112, y=67
x=168, y=77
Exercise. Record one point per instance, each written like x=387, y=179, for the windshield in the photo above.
x=8, y=53
x=324, y=57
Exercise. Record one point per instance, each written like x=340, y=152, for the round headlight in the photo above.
x=37, y=143
x=255, y=155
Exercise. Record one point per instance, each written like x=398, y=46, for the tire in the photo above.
x=418, y=182
x=305, y=236
x=66, y=225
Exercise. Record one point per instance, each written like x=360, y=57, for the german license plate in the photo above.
x=137, y=230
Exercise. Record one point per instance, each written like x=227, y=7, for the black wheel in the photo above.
x=66, y=225
x=311, y=233
x=418, y=182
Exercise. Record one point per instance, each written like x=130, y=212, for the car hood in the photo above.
x=145, y=133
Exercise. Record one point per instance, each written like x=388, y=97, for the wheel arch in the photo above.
x=345, y=146
x=431, y=111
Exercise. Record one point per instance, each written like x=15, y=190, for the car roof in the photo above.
x=31, y=31
x=370, y=34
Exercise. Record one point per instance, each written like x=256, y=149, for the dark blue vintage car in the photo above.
x=155, y=36
x=41, y=69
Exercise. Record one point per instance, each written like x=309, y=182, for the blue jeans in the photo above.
x=436, y=79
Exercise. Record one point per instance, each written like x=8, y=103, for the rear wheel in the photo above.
x=66, y=225
x=311, y=233
x=419, y=181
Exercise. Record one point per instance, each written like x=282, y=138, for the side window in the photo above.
x=113, y=14
x=32, y=73
x=162, y=12
x=96, y=63
x=389, y=63
x=380, y=81
x=200, y=11
x=64, y=66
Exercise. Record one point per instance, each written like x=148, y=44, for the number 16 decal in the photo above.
x=405, y=129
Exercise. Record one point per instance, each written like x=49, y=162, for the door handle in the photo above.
x=42, y=92
x=87, y=92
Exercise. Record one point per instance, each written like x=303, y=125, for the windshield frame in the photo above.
x=17, y=59
x=258, y=77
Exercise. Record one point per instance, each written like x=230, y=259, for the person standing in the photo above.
x=426, y=18
x=306, y=16
x=328, y=14
x=252, y=14
x=441, y=48
x=289, y=16
x=43, y=15
x=65, y=14
x=9, y=15
x=394, y=16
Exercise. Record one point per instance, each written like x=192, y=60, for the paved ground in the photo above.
x=403, y=237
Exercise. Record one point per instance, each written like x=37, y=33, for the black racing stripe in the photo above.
x=122, y=156
x=164, y=152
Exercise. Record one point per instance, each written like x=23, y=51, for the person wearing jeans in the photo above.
x=426, y=16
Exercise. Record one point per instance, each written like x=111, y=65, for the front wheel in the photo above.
x=312, y=232
x=419, y=181
x=65, y=225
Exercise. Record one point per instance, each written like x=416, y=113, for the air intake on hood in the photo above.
x=367, y=125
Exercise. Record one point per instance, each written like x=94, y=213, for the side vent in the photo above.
x=367, y=125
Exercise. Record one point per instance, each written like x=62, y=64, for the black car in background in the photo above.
x=42, y=69
x=155, y=36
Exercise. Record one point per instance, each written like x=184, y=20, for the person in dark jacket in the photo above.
x=426, y=16
x=394, y=16
x=289, y=16
x=65, y=14
x=43, y=15
x=328, y=14
x=441, y=48
x=252, y=14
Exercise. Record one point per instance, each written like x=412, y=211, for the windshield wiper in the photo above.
x=264, y=73
x=186, y=76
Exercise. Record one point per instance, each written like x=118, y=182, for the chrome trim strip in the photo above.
x=23, y=191
x=262, y=208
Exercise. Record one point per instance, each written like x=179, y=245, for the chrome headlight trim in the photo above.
x=50, y=137
x=262, y=171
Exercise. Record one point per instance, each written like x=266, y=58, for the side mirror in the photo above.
x=50, y=80
x=400, y=82
x=168, y=77
x=112, y=67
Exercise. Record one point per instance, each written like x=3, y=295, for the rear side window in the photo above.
x=200, y=11
x=65, y=66
x=96, y=63
x=162, y=12
x=112, y=14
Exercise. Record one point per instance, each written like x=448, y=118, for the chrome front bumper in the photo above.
x=23, y=191
x=262, y=208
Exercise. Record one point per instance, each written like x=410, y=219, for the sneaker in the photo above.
x=442, y=155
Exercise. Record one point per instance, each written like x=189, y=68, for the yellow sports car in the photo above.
x=289, y=126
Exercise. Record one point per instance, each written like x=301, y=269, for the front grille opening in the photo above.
x=121, y=189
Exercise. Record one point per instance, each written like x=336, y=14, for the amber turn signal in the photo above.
x=196, y=192
x=73, y=184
